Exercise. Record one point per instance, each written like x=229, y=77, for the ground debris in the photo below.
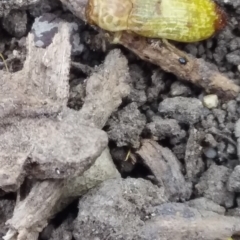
x=64, y=231
x=193, y=155
x=106, y=88
x=206, y=204
x=31, y=214
x=233, y=184
x=185, y=110
x=161, y=128
x=6, y=212
x=116, y=208
x=47, y=133
x=136, y=209
x=127, y=126
x=16, y=23
x=43, y=149
x=213, y=185
x=33, y=95
x=38, y=146
x=167, y=170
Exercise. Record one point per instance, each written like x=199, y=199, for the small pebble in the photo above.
x=210, y=140
x=210, y=101
x=231, y=149
x=238, y=67
x=210, y=153
x=179, y=89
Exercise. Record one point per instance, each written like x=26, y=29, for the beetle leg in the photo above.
x=116, y=37
x=156, y=44
x=4, y=62
x=113, y=37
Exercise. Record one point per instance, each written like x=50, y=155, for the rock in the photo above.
x=115, y=209
x=233, y=183
x=206, y=204
x=210, y=152
x=235, y=212
x=138, y=86
x=127, y=209
x=46, y=26
x=102, y=169
x=15, y=23
x=233, y=57
x=210, y=101
x=184, y=110
x=179, y=89
x=213, y=185
x=46, y=149
x=126, y=127
x=44, y=6
x=165, y=128
x=158, y=85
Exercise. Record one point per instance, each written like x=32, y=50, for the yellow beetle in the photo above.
x=178, y=20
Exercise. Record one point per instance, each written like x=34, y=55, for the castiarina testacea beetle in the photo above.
x=178, y=20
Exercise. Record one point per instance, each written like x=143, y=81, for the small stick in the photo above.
x=196, y=71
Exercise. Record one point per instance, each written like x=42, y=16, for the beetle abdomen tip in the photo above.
x=221, y=20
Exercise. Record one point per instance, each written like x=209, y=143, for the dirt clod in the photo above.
x=185, y=110
x=127, y=126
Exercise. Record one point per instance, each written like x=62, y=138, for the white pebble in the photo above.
x=210, y=101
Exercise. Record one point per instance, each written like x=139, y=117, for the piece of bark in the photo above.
x=196, y=71
x=40, y=147
x=41, y=87
x=102, y=95
x=180, y=222
x=31, y=214
x=193, y=155
x=46, y=149
x=166, y=168
x=108, y=79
